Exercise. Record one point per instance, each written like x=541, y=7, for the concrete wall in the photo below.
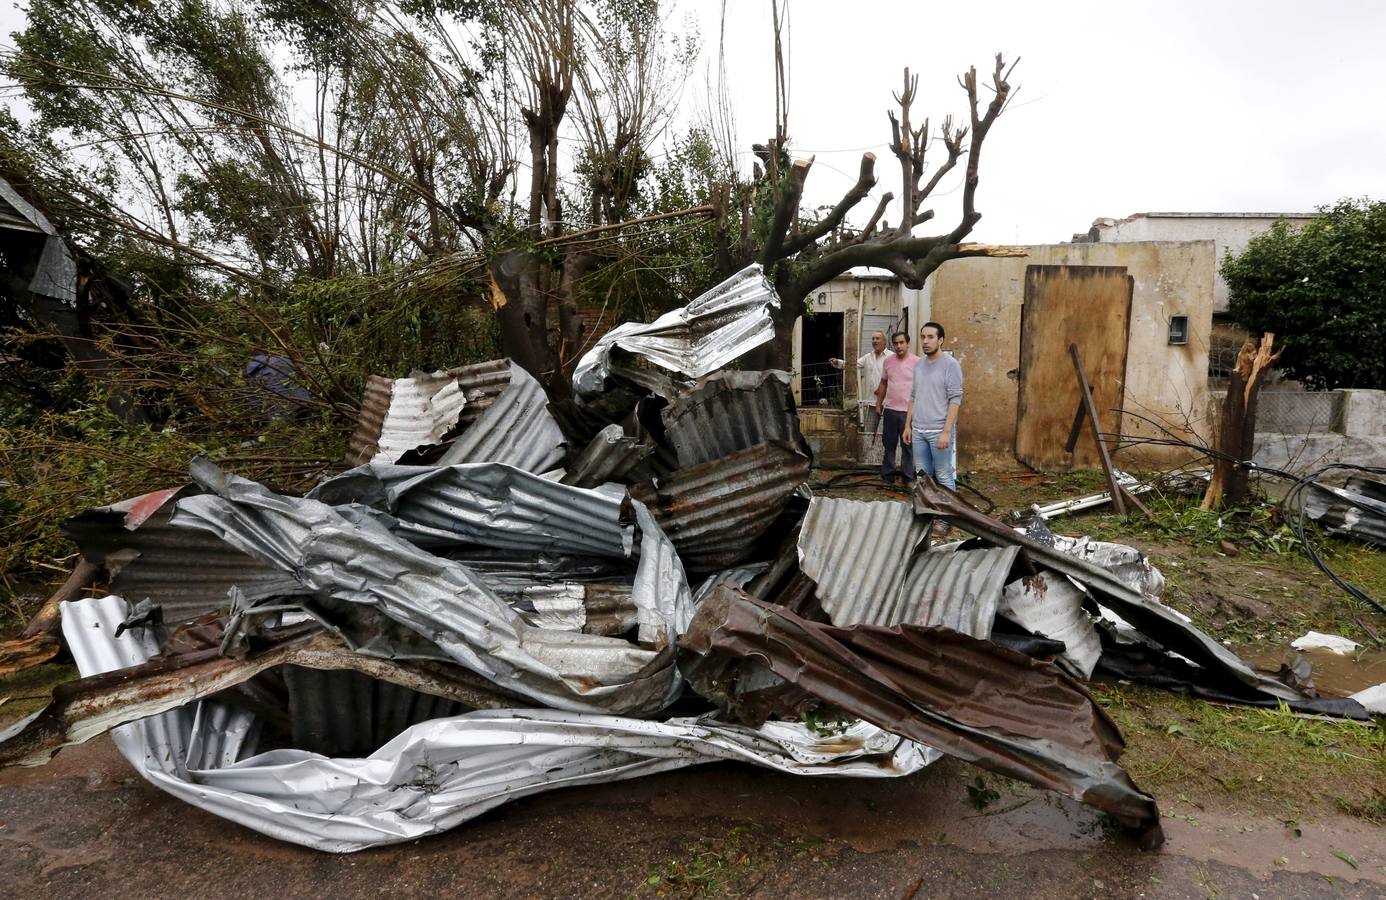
x=979, y=303
x=1229, y=233
x=1359, y=438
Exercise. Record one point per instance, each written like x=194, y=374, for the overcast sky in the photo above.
x=1123, y=107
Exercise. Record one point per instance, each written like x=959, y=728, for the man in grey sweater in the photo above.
x=932, y=415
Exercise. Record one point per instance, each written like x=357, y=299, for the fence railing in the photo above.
x=820, y=385
x=1299, y=412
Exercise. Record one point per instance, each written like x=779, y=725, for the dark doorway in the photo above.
x=820, y=339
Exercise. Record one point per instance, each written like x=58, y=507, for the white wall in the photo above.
x=1229, y=232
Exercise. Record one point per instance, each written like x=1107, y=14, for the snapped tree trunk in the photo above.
x=1236, y=435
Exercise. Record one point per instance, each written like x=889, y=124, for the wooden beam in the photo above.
x=1119, y=496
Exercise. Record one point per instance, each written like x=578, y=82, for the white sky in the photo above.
x=1123, y=107
x=1177, y=105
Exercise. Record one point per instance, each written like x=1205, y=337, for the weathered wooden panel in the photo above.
x=1091, y=307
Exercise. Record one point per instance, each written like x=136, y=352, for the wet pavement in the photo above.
x=85, y=825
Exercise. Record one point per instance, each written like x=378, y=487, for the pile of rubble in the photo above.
x=508, y=595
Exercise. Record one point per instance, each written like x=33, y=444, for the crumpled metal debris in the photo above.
x=439, y=773
x=730, y=411
x=1358, y=509
x=695, y=340
x=348, y=557
x=969, y=698
x=403, y=414
x=419, y=640
x=517, y=429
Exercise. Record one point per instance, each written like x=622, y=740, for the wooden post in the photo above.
x=1120, y=496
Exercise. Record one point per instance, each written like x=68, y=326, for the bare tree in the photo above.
x=801, y=254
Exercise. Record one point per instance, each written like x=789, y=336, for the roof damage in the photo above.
x=498, y=598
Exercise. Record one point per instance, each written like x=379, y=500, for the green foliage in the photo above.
x=59, y=464
x=981, y=795
x=1322, y=290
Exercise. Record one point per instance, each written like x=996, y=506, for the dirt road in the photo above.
x=85, y=825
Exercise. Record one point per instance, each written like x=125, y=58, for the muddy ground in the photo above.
x=1255, y=802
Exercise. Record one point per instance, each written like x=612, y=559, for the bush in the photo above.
x=1322, y=290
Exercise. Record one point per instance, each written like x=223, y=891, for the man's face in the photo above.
x=877, y=342
x=929, y=341
x=902, y=346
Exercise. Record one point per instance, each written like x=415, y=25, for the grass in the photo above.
x=1251, y=760
x=730, y=864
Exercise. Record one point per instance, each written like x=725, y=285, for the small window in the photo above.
x=1178, y=329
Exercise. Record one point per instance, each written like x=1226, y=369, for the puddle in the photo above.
x=1335, y=674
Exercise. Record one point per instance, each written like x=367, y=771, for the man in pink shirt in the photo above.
x=897, y=377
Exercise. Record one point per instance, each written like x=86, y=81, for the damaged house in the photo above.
x=1139, y=312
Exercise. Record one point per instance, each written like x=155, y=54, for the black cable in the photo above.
x=1294, y=494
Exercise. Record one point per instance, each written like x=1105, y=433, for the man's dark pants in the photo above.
x=892, y=434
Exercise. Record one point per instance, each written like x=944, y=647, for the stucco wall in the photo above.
x=979, y=303
x=1229, y=233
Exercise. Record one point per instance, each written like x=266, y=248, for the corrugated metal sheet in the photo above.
x=596, y=608
x=731, y=411
x=714, y=512
x=439, y=773
x=1154, y=620
x=608, y=457
x=187, y=573
x=1051, y=606
x=351, y=558
x=960, y=590
x=1357, y=510
x=708, y=333
x=418, y=412
x=970, y=698
x=858, y=552
x=395, y=412
x=488, y=505
x=340, y=713
x=516, y=429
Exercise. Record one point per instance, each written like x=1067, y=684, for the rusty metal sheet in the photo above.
x=957, y=589
x=516, y=429
x=730, y=411
x=972, y=699
x=187, y=573
x=694, y=340
x=714, y=512
x=1154, y=620
x=1085, y=305
x=608, y=457
x=401, y=414
x=858, y=552
x=591, y=608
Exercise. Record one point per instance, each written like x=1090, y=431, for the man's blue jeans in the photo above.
x=937, y=464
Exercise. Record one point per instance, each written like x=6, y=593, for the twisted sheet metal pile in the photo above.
x=410, y=645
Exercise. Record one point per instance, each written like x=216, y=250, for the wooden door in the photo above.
x=1086, y=305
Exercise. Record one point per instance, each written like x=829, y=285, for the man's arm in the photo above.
x=945, y=439
x=908, y=436
x=880, y=394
